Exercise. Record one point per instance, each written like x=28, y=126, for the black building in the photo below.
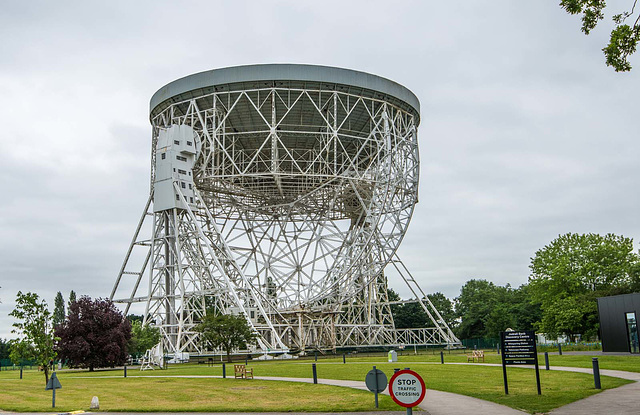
x=618, y=322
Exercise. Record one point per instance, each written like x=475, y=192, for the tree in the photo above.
x=412, y=315
x=5, y=347
x=486, y=309
x=624, y=37
x=58, y=310
x=95, y=334
x=226, y=331
x=72, y=298
x=444, y=307
x=142, y=338
x=34, y=330
x=134, y=317
x=474, y=307
x=568, y=274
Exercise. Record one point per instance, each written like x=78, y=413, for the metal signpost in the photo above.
x=376, y=382
x=407, y=389
x=519, y=348
x=53, y=384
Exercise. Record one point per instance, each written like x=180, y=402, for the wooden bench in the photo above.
x=475, y=355
x=241, y=372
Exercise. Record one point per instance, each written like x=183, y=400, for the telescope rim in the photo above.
x=194, y=85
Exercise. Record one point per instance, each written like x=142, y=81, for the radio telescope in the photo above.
x=279, y=193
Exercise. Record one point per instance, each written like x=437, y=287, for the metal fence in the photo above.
x=7, y=364
x=481, y=343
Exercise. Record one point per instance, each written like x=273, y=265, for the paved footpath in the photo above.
x=435, y=403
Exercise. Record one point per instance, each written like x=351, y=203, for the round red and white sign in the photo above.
x=407, y=388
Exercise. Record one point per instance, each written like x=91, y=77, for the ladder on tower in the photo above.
x=136, y=241
x=441, y=326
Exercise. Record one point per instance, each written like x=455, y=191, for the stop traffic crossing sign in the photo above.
x=407, y=388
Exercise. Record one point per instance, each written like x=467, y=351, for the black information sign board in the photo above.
x=519, y=348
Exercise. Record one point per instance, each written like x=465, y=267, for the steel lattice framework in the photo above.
x=304, y=182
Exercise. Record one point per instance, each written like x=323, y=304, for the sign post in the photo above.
x=519, y=348
x=376, y=382
x=53, y=384
x=407, y=389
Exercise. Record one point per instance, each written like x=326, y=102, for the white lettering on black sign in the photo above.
x=519, y=347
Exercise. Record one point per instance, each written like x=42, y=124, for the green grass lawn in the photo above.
x=628, y=363
x=138, y=392
x=178, y=394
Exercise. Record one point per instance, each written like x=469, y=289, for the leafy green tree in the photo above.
x=142, y=338
x=34, y=330
x=624, y=36
x=5, y=348
x=412, y=315
x=72, y=298
x=409, y=316
x=444, y=307
x=134, y=317
x=474, y=306
x=225, y=331
x=392, y=295
x=571, y=315
x=58, y=310
x=526, y=310
x=572, y=271
x=486, y=309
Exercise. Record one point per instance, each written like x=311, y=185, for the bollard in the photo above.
x=546, y=360
x=224, y=371
x=316, y=356
x=125, y=371
x=246, y=360
x=441, y=357
x=396, y=370
x=315, y=373
x=344, y=358
x=95, y=403
x=596, y=373
x=20, y=372
x=559, y=349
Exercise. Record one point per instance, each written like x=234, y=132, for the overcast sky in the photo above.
x=525, y=133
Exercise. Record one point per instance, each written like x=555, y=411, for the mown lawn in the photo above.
x=630, y=363
x=142, y=394
x=139, y=392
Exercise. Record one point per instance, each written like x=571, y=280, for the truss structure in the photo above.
x=298, y=197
